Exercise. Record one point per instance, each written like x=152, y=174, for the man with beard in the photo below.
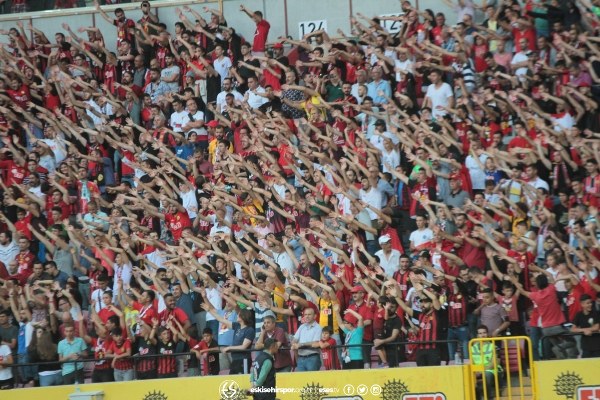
x=430, y=325
x=170, y=74
x=127, y=85
x=227, y=89
x=391, y=333
x=156, y=87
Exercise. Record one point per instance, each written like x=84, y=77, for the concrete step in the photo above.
x=516, y=391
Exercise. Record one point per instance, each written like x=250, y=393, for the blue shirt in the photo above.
x=354, y=337
x=240, y=335
x=66, y=348
x=373, y=89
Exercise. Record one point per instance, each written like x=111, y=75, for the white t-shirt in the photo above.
x=255, y=100
x=221, y=98
x=439, y=97
x=476, y=172
x=392, y=158
x=212, y=295
x=517, y=59
x=406, y=65
x=6, y=372
x=222, y=67
x=419, y=237
x=8, y=252
x=57, y=147
x=373, y=197
x=168, y=73
x=391, y=263
x=201, y=132
x=284, y=261
x=190, y=203
x=179, y=120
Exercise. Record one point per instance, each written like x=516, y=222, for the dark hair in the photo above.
x=483, y=327
x=207, y=331
x=150, y=294
x=542, y=281
x=117, y=331
x=246, y=316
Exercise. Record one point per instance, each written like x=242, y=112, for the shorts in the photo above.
x=7, y=384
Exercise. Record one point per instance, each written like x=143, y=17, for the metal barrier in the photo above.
x=547, y=347
x=491, y=360
x=138, y=358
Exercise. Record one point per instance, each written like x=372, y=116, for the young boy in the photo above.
x=207, y=350
x=167, y=365
x=120, y=352
x=328, y=351
x=509, y=301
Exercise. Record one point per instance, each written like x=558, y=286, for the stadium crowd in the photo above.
x=197, y=191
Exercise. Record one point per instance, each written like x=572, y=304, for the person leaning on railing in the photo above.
x=6, y=360
x=587, y=323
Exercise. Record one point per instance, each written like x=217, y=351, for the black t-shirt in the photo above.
x=389, y=326
x=581, y=320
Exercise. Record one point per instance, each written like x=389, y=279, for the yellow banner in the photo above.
x=431, y=383
x=559, y=380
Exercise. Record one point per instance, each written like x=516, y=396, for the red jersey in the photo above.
x=13, y=172
x=572, y=301
x=167, y=364
x=122, y=364
x=100, y=347
x=146, y=313
x=329, y=355
x=176, y=313
x=260, y=36
x=177, y=222
x=21, y=96
x=105, y=314
x=124, y=30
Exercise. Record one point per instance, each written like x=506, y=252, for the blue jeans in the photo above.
x=54, y=379
x=311, y=363
x=123, y=375
x=535, y=334
x=28, y=372
x=461, y=334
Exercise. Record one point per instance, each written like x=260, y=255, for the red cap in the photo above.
x=213, y=124
x=278, y=46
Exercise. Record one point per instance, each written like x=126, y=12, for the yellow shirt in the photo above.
x=326, y=312
x=278, y=302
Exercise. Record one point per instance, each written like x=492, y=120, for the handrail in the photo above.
x=544, y=339
x=156, y=4
x=138, y=358
x=218, y=350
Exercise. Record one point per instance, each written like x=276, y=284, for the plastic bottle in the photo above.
x=457, y=359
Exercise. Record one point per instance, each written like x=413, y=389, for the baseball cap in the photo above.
x=213, y=124
x=358, y=289
x=278, y=46
x=384, y=239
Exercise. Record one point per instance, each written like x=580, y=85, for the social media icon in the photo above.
x=362, y=389
x=348, y=390
x=375, y=390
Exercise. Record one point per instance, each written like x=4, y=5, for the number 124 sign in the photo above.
x=305, y=27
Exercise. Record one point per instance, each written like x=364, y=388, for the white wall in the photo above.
x=281, y=14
